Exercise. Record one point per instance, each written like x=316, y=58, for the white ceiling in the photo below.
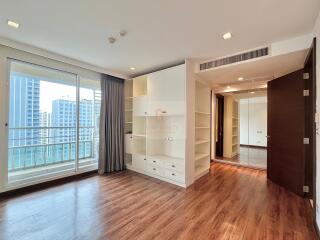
x=255, y=72
x=159, y=32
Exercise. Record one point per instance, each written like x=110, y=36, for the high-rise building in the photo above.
x=23, y=118
x=45, y=123
x=64, y=115
x=24, y=110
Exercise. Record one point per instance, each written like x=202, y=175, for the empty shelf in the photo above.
x=139, y=135
x=200, y=170
x=203, y=113
x=201, y=141
x=199, y=156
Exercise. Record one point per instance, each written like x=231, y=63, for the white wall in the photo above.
x=317, y=34
x=253, y=121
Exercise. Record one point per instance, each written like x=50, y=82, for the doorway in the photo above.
x=219, y=125
x=242, y=126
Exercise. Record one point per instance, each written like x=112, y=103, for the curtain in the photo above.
x=111, y=145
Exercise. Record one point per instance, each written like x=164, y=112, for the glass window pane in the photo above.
x=258, y=130
x=42, y=122
x=89, y=120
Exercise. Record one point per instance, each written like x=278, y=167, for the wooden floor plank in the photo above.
x=229, y=203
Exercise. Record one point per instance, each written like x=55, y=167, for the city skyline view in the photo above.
x=51, y=91
x=43, y=116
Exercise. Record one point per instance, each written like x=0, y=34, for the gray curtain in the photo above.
x=111, y=146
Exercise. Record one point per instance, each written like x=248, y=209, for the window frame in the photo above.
x=4, y=131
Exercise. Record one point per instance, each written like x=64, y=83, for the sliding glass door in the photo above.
x=53, y=123
x=89, y=120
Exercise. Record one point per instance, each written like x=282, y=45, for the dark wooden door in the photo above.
x=310, y=126
x=219, y=130
x=286, y=121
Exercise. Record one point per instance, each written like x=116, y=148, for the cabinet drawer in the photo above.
x=155, y=161
x=155, y=169
x=175, y=166
x=129, y=141
x=174, y=175
x=139, y=162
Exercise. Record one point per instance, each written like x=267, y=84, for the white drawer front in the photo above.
x=155, y=161
x=139, y=162
x=155, y=169
x=174, y=175
x=175, y=166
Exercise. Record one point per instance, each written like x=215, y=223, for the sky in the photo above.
x=50, y=91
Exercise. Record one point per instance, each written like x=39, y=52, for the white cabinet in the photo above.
x=140, y=106
x=166, y=92
x=174, y=175
x=129, y=143
x=158, y=131
x=139, y=162
x=155, y=169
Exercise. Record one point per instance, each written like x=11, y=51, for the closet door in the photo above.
x=166, y=91
x=140, y=106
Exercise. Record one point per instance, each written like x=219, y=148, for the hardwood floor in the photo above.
x=229, y=203
x=252, y=156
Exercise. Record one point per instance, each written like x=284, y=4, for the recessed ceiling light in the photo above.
x=240, y=78
x=112, y=40
x=132, y=68
x=227, y=36
x=13, y=24
x=228, y=87
x=123, y=33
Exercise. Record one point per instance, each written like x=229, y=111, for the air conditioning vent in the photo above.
x=236, y=58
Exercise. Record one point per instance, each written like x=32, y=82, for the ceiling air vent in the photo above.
x=236, y=58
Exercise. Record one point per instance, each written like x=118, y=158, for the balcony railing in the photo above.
x=35, y=147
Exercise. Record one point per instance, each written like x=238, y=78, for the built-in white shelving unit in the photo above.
x=128, y=121
x=202, y=129
x=161, y=114
x=158, y=125
x=231, y=127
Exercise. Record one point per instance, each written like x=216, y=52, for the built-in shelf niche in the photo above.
x=139, y=126
x=231, y=127
x=202, y=129
x=140, y=86
x=139, y=145
x=166, y=136
x=128, y=88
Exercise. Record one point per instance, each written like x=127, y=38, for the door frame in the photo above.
x=220, y=110
x=311, y=164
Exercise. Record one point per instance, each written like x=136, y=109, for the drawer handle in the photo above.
x=145, y=159
x=154, y=169
x=173, y=166
x=154, y=161
x=164, y=111
x=173, y=174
